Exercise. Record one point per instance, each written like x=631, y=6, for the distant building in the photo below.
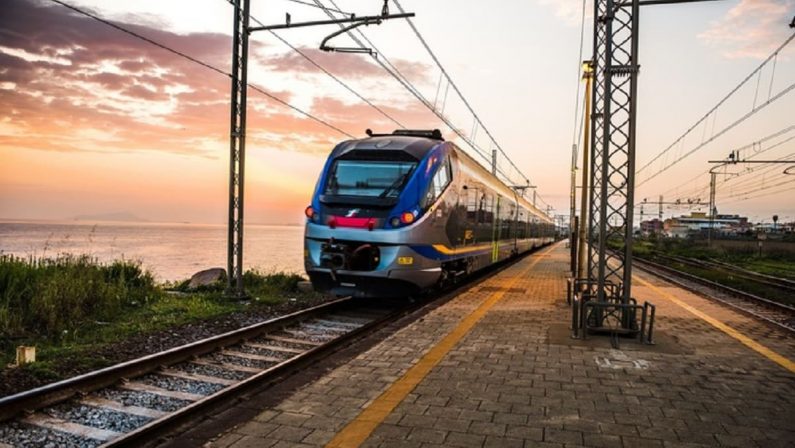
x=651, y=226
x=700, y=222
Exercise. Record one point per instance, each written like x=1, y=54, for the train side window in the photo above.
x=507, y=216
x=472, y=205
x=521, y=224
x=486, y=204
x=440, y=180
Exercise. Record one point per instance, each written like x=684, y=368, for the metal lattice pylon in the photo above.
x=237, y=149
x=613, y=147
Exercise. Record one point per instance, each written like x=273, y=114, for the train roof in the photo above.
x=414, y=143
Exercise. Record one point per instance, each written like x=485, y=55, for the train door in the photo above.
x=495, y=231
x=473, y=208
x=515, y=223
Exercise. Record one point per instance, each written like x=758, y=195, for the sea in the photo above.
x=171, y=251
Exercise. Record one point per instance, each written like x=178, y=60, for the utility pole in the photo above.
x=494, y=162
x=712, y=208
x=237, y=149
x=574, y=221
x=612, y=186
x=237, y=152
x=584, y=238
x=613, y=146
x=733, y=159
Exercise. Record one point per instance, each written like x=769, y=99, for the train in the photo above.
x=400, y=214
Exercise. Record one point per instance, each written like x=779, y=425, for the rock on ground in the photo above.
x=207, y=277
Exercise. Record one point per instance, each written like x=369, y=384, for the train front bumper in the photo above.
x=392, y=269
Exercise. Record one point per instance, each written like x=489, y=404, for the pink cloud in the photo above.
x=80, y=84
x=752, y=29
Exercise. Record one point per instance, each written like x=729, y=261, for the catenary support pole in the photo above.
x=582, y=240
x=237, y=149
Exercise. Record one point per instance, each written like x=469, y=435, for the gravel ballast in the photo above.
x=213, y=371
x=97, y=417
x=26, y=436
x=142, y=399
x=14, y=380
x=180, y=384
x=245, y=362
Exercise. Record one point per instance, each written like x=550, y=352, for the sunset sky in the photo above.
x=94, y=121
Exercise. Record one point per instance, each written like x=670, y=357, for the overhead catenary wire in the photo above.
x=770, y=193
x=752, y=176
x=761, y=188
x=323, y=69
x=748, y=177
x=456, y=89
x=714, y=109
x=754, y=144
x=382, y=60
x=300, y=2
x=742, y=148
x=726, y=129
x=762, y=178
x=199, y=62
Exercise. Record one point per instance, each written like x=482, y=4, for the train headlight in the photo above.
x=407, y=217
x=311, y=214
x=394, y=222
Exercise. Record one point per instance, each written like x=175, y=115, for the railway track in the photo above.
x=786, y=286
x=130, y=403
x=778, y=314
x=123, y=404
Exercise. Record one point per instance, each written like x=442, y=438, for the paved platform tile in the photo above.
x=516, y=378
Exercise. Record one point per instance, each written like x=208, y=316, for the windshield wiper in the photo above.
x=395, y=185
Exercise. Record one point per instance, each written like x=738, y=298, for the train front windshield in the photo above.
x=376, y=179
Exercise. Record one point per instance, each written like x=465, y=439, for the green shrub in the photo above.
x=50, y=297
x=257, y=281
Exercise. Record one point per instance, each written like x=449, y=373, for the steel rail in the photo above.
x=675, y=276
x=767, y=280
x=23, y=403
x=49, y=394
x=275, y=373
x=263, y=379
x=781, y=281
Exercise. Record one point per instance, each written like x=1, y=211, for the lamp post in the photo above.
x=582, y=240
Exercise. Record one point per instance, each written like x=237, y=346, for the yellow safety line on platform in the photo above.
x=358, y=430
x=748, y=342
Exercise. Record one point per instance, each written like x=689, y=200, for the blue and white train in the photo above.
x=398, y=214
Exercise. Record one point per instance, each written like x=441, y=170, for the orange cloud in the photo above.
x=94, y=120
x=75, y=80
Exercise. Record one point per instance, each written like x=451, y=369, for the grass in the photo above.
x=51, y=297
x=776, y=264
x=71, y=306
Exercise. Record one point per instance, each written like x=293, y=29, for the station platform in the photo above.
x=496, y=367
